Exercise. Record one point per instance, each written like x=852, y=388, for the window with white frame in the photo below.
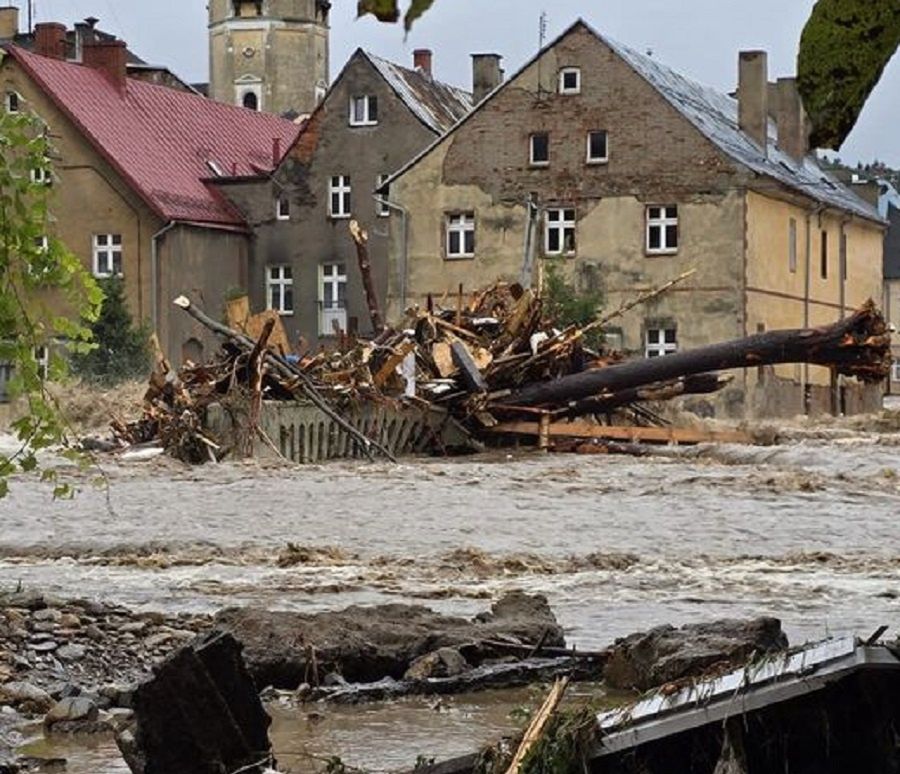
x=107, y=255
x=662, y=229
x=381, y=205
x=364, y=110
x=283, y=208
x=42, y=359
x=895, y=372
x=559, y=231
x=597, y=147
x=661, y=341
x=280, y=289
x=461, y=235
x=334, y=298
x=12, y=102
x=539, y=149
x=41, y=176
x=339, y=197
x=570, y=80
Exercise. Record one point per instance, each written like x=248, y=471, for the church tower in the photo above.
x=269, y=55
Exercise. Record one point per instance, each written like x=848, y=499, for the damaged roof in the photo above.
x=437, y=105
x=166, y=143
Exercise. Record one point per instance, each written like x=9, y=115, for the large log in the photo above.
x=856, y=346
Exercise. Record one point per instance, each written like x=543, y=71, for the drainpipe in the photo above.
x=815, y=212
x=404, y=261
x=154, y=271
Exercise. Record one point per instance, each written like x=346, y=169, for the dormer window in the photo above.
x=364, y=110
x=570, y=80
x=11, y=102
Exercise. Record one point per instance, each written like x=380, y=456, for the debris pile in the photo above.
x=492, y=361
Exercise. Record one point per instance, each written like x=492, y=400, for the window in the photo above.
x=41, y=176
x=280, y=289
x=895, y=372
x=792, y=245
x=539, y=149
x=570, y=80
x=559, y=231
x=12, y=101
x=339, y=197
x=364, y=110
x=42, y=358
x=283, y=208
x=597, y=151
x=662, y=229
x=381, y=207
x=250, y=100
x=334, y=298
x=824, y=257
x=41, y=244
x=321, y=91
x=107, y=255
x=661, y=341
x=461, y=235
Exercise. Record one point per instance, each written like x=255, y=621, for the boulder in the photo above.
x=446, y=662
x=199, y=714
x=662, y=655
x=26, y=696
x=365, y=644
x=74, y=709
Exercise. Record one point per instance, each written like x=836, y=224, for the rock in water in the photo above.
x=662, y=655
x=199, y=714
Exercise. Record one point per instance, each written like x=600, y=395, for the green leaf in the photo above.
x=417, y=8
x=844, y=49
x=383, y=10
x=4, y=488
x=28, y=463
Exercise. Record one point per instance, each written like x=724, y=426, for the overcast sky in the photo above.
x=700, y=38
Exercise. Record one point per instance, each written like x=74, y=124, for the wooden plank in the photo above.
x=616, y=433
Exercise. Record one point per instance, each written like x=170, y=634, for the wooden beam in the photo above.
x=676, y=435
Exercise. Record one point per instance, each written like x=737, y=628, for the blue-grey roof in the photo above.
x=438, y=105
x=716, y=116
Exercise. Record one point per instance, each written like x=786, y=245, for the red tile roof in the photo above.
x=164, y=142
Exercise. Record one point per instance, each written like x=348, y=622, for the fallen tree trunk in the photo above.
x=856, y=346
x=361, y=240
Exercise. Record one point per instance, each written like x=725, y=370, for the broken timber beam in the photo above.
x=361, y=240
x=857, y=346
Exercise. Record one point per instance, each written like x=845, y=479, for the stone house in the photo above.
x=375, y=117
x=627, y=174
x=131, y=188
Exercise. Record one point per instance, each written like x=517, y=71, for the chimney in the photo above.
x=109, y=57
x=422, y=58
x=793, y=126
x=9, y=22
x=50, y=39
x=753, y=95
x=84, y=35
x=486, y=75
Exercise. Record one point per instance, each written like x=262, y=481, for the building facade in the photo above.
x=626, y=175
x=891, y=209
x=269, y=55
x=375, y=118
x=130, y=188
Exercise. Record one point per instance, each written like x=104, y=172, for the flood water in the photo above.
x=805, y=531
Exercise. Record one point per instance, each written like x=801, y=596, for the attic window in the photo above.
x=570, y=80
x=12, y=102
x=364, y=110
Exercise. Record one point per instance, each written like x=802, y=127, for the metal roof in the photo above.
x=438, y=105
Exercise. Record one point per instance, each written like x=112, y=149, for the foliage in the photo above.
x=844, y=49
x=565, y=304
x=46, y=296
x=120, y=352
x=389, y=10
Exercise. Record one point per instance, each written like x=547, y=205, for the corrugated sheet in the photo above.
x=438, y=105
x=716, y=115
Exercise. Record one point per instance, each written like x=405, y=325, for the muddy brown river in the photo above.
x=806, y=531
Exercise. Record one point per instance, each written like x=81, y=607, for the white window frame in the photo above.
x=662, y=345
x=561, y=220
x=282, y=207
x=280, y=281
x=531, y=160
x=340, y=186
x=576, y=89
x=105, y=249
x=382, y=209
x=460, y=224
x=12, y=102
x=254, y=89
x=41, y=176
x=42, y=243
x=331, y=277
x=662, y=222
x=364, y=117
x=41, y=357
x=598, y=159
